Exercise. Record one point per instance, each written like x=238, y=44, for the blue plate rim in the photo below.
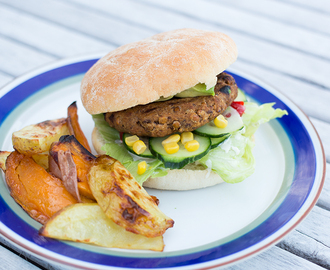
x=64, y=63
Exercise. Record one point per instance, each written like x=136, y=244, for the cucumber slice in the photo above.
x=146, y=153
x=215, y=142
x=240, y=95
x=183, y=156
x=211, y=130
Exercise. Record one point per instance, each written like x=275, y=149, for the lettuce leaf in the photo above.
x=107, y=132
x=116, y=149
x=255, y=115
x=233, y=160
x=196, y=91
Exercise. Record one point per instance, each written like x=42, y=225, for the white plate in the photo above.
x=214, y=226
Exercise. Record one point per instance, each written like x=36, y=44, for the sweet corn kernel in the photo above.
x=173, y=138
x=186, y=136
x=220, y=121
x=142, y=167
x=139, y=147
x=171, y=147
x=131, y=140
x=192, y=146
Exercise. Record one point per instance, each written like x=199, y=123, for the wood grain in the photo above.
x=275, y=258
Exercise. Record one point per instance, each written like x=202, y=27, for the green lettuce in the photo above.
x=255, y=115
x=116, y=149
x=233, y=160
x=196, y=91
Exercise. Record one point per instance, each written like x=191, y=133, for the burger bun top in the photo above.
x=160, y=66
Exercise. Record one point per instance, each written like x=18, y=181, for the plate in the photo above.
x=214, y=226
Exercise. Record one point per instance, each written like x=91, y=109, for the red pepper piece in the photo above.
x=238, y=106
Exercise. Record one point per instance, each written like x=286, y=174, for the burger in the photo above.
x=167, y=110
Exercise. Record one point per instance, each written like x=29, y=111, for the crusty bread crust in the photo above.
x=184, y=179
x=160, y=66
x=193, y=177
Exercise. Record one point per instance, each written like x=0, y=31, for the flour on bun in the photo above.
x=160, y=66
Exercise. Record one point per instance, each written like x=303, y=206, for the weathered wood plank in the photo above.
x=323, y=129
x=322, y=6
x=316, y=226
x=231, y=17
x=284, y=13
x=274, y=258
x=21, y=260
x=16, y=59
x=9, y=260
x=83, y=20
x=311, y=239
x=46, y=36
x=305, y=247
x=145, y=15
x=260, y=27
x=4, y=79
x=324, y=200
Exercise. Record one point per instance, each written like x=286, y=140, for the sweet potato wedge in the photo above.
x=74, y=126
x=124, y=200
x=40, y=194
x=82, y=158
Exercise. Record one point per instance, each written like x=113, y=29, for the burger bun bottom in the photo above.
x=192, y=176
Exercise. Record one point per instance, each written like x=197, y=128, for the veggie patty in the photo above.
x=159, y=119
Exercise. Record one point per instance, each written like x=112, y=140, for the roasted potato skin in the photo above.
x=124, y=200
x=70, y=224
x=3, y=156
x=82, y=158
x=40, y=194
x=37, y=139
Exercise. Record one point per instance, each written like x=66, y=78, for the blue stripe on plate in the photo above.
x=305, y=170
x=18, y=94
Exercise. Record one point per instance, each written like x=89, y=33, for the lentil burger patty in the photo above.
x=159, y=119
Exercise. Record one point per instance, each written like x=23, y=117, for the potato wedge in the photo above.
x=42, y=160
x=87, y=223
x=35, y=139
x=124, y=200
x=74, y=126
x=40, y=194
x=3, y=157
x=82, y=158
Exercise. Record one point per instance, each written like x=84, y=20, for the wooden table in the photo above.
x=284, y=42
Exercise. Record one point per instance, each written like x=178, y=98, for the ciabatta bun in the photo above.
x=160, y=66
x=191, y=177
